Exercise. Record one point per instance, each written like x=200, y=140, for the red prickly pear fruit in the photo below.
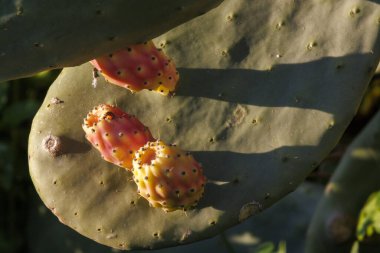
x=116, y=134
x=168, y=177
x=138, y=67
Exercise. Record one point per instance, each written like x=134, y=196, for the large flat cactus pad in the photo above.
x=266, y=90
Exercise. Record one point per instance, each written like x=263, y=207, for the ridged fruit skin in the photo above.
x=168, y=177
x=116, y=134
x=138, y=67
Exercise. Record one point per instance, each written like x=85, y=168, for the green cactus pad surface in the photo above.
x=266, y=90
x=357, y=176
x=36, y=35
x=286, y=221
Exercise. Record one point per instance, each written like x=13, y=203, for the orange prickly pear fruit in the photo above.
x=138, y=67
x=116, y=134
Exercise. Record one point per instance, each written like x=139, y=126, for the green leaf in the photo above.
x=369, y=219
x=282, y=247
x=266, y=247
x=269, y=247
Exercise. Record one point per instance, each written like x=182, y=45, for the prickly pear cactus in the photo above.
x=334, y=223
x=266, y=90
x=45, y=34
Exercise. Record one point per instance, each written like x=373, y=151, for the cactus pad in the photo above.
x=267, y=88
x=37, y=35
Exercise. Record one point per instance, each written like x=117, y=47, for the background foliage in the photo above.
x=19, y=101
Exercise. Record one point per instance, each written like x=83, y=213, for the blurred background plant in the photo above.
x=369, y=223
x=26, y=225
x=19, y=101
x=368, y=226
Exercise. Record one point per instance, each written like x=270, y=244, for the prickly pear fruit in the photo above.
x=168, y=177
x=116, y=134
x=139, y=66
